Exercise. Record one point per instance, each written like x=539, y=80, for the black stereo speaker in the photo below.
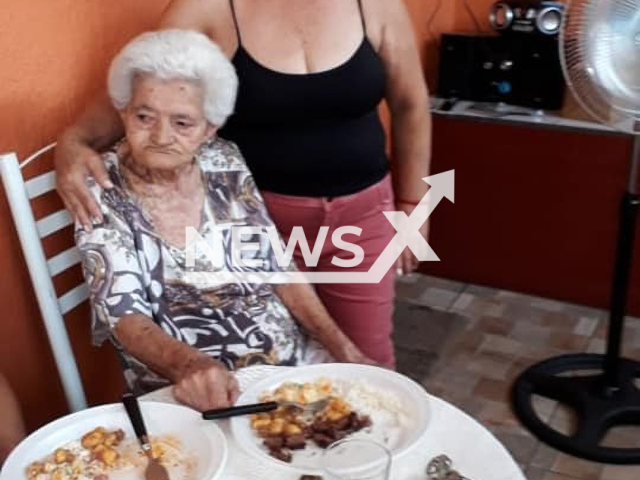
x=540, y=17
x=521, y=70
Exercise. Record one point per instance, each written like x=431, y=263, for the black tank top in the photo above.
x=314, y=134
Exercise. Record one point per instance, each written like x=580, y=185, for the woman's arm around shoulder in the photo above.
x=211, y=17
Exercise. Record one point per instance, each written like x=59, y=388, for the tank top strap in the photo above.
x=235, y=22
x=364, y=24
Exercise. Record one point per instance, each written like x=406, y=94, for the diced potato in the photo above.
x=106, y=455
x=276, y=427
x=62, y=455
x=292, y=429
x=111, y=439
x=334, y=416
x=341, y=406
x=109, y=456
x=93, y=438
x=59, y=474
x=34, y=469
x=259, y=424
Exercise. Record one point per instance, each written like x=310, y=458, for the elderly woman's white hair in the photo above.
x=176, y=54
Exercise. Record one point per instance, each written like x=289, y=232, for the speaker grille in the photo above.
x=501, y=16
x=549, y=20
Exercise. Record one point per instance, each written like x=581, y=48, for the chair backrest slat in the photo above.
x=19, y=193
x=53, y=223
x=40, y=185
x=73, y=298
x=63, y=261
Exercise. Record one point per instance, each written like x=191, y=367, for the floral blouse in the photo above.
x=130, y=269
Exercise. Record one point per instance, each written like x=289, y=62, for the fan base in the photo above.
x=570, y=380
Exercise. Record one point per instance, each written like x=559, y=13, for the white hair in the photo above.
x=176, y=54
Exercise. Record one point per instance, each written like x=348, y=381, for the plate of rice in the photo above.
x=361, y=401
x=99, y=444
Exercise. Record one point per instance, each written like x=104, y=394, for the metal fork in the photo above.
x=305, y=408
x=310, y=407
x=154, y=470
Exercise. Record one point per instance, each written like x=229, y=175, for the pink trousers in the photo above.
x=363, y=311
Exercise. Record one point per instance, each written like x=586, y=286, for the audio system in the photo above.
x=519, y=66
x=531, y=17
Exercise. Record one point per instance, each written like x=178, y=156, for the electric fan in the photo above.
x=600, y=53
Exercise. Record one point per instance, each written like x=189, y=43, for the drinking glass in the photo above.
x=356, y=459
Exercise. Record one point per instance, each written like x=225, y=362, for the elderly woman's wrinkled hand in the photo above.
x=210, y=386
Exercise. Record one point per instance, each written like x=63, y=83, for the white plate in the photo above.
x=398, y=432
x=200, y=439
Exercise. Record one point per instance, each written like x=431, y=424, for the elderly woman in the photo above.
x=174, y=89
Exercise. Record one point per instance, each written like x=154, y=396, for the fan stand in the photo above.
x=604, y=399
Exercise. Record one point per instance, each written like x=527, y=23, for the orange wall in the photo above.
x=429, y=21
x=54, y=55
x=463, y=21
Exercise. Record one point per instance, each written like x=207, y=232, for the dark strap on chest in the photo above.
x=235, y=22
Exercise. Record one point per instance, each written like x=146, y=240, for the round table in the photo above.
x=475, y=452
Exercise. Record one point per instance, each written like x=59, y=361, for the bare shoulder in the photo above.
x=396, y=44
x=385, y=19
x=211, y=17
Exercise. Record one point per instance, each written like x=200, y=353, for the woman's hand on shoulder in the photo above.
x=75, y=161
x=208, y=384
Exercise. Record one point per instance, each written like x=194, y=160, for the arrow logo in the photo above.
x=408, y=228
x=407, y=235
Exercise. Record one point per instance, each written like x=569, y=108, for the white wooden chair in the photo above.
x=20, y=193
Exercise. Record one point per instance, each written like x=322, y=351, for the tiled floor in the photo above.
x=502, y=334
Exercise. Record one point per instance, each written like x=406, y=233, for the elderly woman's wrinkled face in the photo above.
x=164, y=122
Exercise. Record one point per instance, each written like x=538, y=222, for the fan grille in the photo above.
x=600, y=53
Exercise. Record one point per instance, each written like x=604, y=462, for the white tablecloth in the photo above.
x=474, y=450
